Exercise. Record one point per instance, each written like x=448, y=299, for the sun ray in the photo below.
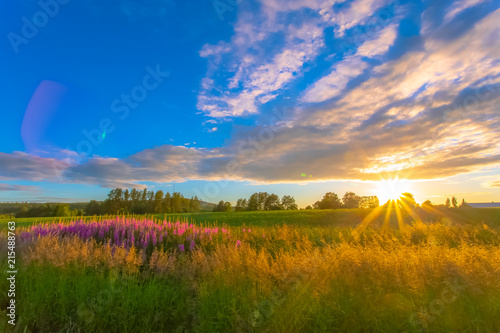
x=387, y=218
x=367, y=220
x=409, y=209
x=399, y=216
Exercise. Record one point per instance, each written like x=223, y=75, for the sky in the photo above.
x=224, y=98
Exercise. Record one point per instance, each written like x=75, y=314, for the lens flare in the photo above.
x=391, y=189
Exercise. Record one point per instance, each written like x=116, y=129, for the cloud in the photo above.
x=457, y=7
x=357, y=13
x=380, y=45
x=19, y=165
x=253, y=80
x=427, y=112
x=334, y=83
x=14, y=187
x=269, y=50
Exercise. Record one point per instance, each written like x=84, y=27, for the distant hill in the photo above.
x=207, y=206
x=485, y=205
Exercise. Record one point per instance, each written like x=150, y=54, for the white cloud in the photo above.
x=379, y=45
x=333, y=84
x=357, y=13
x=458, y=6
x=257, y=80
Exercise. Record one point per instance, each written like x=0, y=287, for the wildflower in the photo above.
x=192, y=245
x=249, y=230
x=238, y=244
x=244, y=230
x=181, y=247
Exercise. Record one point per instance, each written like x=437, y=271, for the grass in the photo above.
x=337, y=217
x=313, y=274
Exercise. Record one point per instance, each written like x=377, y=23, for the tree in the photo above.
x=227, y=207
x=159, y=203
x=126, y=196
x=221, y=207
x=464, y=204
x=454, y=202
x=351, y=200
x=93, y=208
x=167, y=203
x=288, y=203
x=114, y=203
x=330, y=201
x=262, y=197
x=447, y=204
x=135, y=195
x=253, y=202
x=408, y=199
x=176, y=205
x=194, y=204
x=272, y=202
x=427, y=204
x=368, y=202
x=309, y=207
x=241, y=205
x=62, y=210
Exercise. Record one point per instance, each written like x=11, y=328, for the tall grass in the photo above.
x=423, y=277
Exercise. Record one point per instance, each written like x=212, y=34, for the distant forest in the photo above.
x=119, y=201
x=135, y=201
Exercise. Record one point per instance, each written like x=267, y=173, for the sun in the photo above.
x=391, y=189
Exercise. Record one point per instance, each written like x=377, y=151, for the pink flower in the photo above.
x=238, y=244
x=249, y=230
x=181, y=247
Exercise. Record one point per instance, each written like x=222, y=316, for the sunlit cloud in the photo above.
x=387, y=103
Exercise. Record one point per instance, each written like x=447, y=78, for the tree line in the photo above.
x=144, y=201
x=259, y=201
x=46, y=210
x=453, y=203
x=121, y=201
x=350, y=200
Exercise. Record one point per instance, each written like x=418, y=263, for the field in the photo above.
x=336, y=218
x=297, y=271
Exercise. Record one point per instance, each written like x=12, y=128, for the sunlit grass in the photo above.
x=280, y=279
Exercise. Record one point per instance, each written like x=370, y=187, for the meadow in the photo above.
x=287, y=271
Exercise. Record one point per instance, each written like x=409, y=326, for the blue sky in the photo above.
x=227, y=98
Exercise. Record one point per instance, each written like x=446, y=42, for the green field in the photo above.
x=337, y=217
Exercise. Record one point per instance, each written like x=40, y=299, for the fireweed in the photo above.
x=146, y=235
